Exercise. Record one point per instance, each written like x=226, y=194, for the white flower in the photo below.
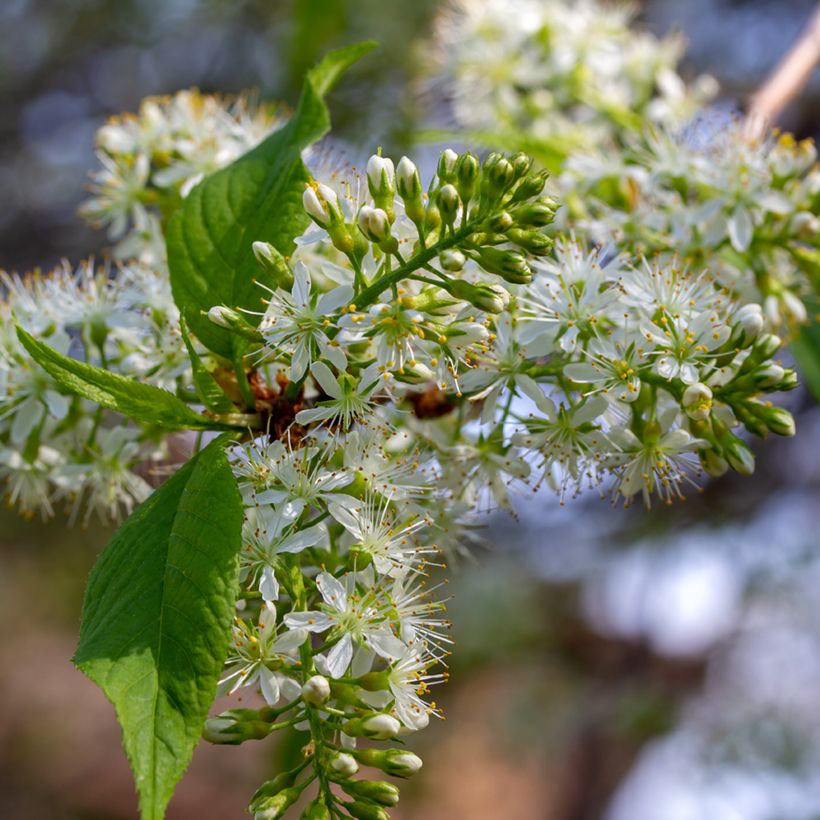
x=351, y=618
x=296, y=323
x=348, y=399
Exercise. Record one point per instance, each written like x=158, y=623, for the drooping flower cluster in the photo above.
x=556, y=76
x=433, y=349
x=152, y=159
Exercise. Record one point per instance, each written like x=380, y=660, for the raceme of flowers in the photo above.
x=434, y=351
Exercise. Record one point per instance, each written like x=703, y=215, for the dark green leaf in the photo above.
x=211, y=394
x=157, y=617
x=806, y=350
x=258, y=197
x=142, y=402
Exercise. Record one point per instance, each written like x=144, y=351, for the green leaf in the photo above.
x=258, y=197
x=142, y=402
x=806, y=350
x=157, y=618
x=211, y=394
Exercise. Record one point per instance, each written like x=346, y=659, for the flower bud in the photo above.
x=521, y=164
x=537, y=214
x=376, y=791
x=274, y=807
x=530, y=187
x=769, y=375
x=344, y=764
x=316, y=690
x=376, y=726
x=780, y=421
x=467, y=171
x=271, y=260
x=366, y=811
x=738, y=454
x=789, y=380
x=317, y=810
x=697, y=401
x=432, y=217
x=500, y=222
x=501, y=176
x=446, y=171
x=535, y=242
x=750, y=319
x=322, y=205
x=374, y=224
x=381, y=177
x=452, y=260
x=395, y=762
x=407, y=179
x=767, y=345
x=712, y=463
x=233, y=321
x=488, y=297
x=794, y=308
x=510, y=265
x=448, y=202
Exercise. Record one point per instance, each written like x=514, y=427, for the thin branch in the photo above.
x=787, y=79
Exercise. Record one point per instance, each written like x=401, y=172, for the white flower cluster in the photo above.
x=152, y=159
x=746, y=208
x=54, y=445
x=428, y=351
x=564, y=74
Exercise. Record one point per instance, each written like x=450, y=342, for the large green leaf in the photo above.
x=258, y=197
x=157, y=617
x=142, y=402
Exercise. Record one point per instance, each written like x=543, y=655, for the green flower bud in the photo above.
x=366, y=811
x=712, y=463
x=521, y=164
x=536, y=214
x=395, y=762
x=510, y=265
x=488, y=297
x=748, y=321
x=409, y=187
x=233, y=321
x=452, y=260
x=500, y=222
x=530, y=187
x=432, y=218
x=316, y=690
x=271, y=808
x=789, y=380
x=535, y=242
x=501, y=176
x=376, y=726
x=780, y=421
x=271, y=260
x=344, y=764
x=376, y=791
x=738, y=454
x=467, y=171
x=446, y=170
x=767, y=345
x=317, y=810
x=449, y=203
x=769, y=376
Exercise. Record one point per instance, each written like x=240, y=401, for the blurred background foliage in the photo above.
x=610, y=664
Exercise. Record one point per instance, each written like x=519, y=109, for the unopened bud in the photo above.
x=272, y=808
x=344, y=764
x=316, y=690
x=794, y=308
x=376, y=726
x=467, y=170
x=500, y=222
x=448, y=202
x=530, y=187
x=750, y=319
x=767, y=345
x=697, y=401
x=407, y=179
x=446, y=171
x=712, y=463
x=537, y=214
x=322, y=205
x=376, y=791
x=510, y=265
x=488, y=297
x=233, y=321
x=381, y=176
x=374, y=224
x=738, y=454
x=317, y=810
x=789, y=380
x=769, y=375
x=780, y=421
x=366, y=811
x=501, y=176
x=395, y=762
x=521, y=164
x=452, y=260
x=535, y=242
